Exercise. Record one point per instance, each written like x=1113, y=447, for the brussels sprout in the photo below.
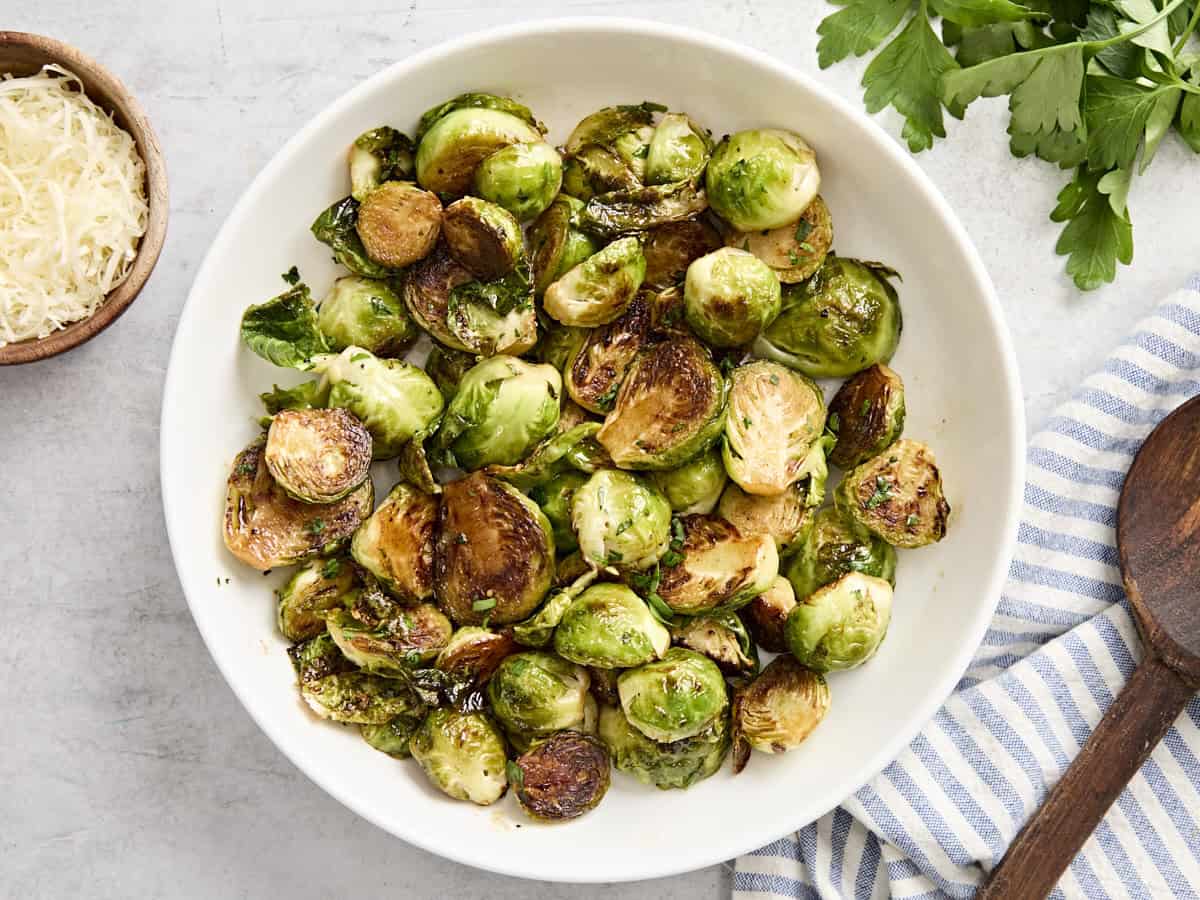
x=396, y=543
x=785, y=517
x=897, y=495
x=675, y=697
x=695, y=486
x=621, y=520
x=716, y=567
x=447, y=367
x=473, y=653
x=816, y=466
x=379, y=155
x=495, y=554
x=392, y=398
x=679, y=764
x=678, y=151
x=555, y=497
x=317, y=587
x=793, y=251
x=523, y=178
x=364, y=312
x=841, y=625
x=723, y=638
x=477, y=100
x=359, y=698
x=483, y=237
x=604, y=126
x=869, y=413
x=597, y=170
x=559, y=344
x=833, y=547
x=414, y=464
x=632, y=148
x=284, y=330
x=669, y=250
x=412, y=636
x=460, y=140
x=609, y=626
x=535, y=694
x=317, y=657
x=398, y=223
x=588, y=456
x=600, y=288
x=549, y=459
x=538, y=629
x=594, y=372
x=775, y=416
x=766, y=615
x=729, y=297
x=641, y=209
x=781, y=707
x=604, y=685
x=503, y=408
x=306, y=395
x=762, y=179
x=670, y=407
x=556, y=242
x=265, y=528
x=317, y=455
x=337, y=227
x=462, y=754
x=427, y=290
x=393, y=737
x=844, y=319
x=563, y=777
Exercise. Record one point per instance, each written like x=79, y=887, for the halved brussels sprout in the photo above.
x=365, y=312
x=621, y=520
x=775, y=416
x=679, y=764
x=337, y=227
x=460, y=140
x=678, y=150
x=793, y=251
x=379, y=155
x=462, y=754
x=483, y=237
x=523, y=178
x=597, y=170
x=844, y=319
x=723, y=638
x=412, y=636
x=716, y=567
x=640, y=209
x=766, y=615
x=573, y=579
x=762, y=179
x=669, y=250
x=495, y=553
x=695, y=486
x=729, y=297
x=604, y=126
x=670, y=407
x=869, y=413
x=557, y=243
x=504, y=407
x=396, y=543
x=265, y=528
x=609, y=626
x=477, y=100
x=317, y=587
x=632, y=148
x=555, y=498
x=317, y=455
x=473, y=653
x=427, y=289
x=833, y=547
x=284, y=329
x=535, y=694
x=447, y=367
x=841, y=625
x=391, y=397
x=398, y=223
x=594, y=372
x=359, y=698
x=563, y=777
x=600, y=288
x=785, y=517
x=550, y=458
x=393, y=737
x=675, y=697
x=781, y=707
x=472, y=318
x=317, y=657
x=897, y=495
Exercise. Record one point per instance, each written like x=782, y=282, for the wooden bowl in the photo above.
x=25, y=54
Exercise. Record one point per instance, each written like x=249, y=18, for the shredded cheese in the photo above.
x=72, y=204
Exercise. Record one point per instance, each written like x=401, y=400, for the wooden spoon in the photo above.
x=1158, y=536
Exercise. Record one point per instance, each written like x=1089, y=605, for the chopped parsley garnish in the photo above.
x=331, y=568
x=315, y=526
x=803, y=230
x=291, y=276
x=883, y=492
x=484, y=605
x=912, y=520
x=835, y=422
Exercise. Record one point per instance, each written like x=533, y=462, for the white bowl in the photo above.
x=955, y=357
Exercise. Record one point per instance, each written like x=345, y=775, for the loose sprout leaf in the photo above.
x=336, y=227
x=973, y=13
x=284, y=329
x=1096, y=236
x=307, y=395
x=859, y=27
x=502, y=295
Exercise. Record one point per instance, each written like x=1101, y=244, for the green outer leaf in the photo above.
x=1117, y=114
x=858, y=28
x=1096, y=236
x=973, y=13
x=306, y=395
x=336, y=227
x=284, y=329
x=1188, y=123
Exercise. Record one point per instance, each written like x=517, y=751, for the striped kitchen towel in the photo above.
x=1061, y=645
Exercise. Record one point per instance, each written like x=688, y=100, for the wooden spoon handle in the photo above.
x=1132, y=727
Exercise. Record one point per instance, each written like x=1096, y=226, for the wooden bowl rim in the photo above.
x=138, y=125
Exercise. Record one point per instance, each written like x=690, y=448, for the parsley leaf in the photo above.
x=973, y=13
x=1098, y=232
x=858, y=28
x=1189, y=121
x=1117, y=115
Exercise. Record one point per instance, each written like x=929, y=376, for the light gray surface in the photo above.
x=129, y=768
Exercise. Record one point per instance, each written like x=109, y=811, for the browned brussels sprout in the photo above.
x=723, y=638
x=716, y=567
x=317, y=657
x=474, y=653
x=359, y=698
x=841, y=625
x=780, y=708
x=399, y=223
x=834, y=546
x=868, y=412
x=462, y=754
x=317, y=455
x=786, y=517
x=729, y=297
x=412, y=636
x=640, y=209
x=604, y=685
x=897, y=495
x=766, y=615
x=678, y=764
x=600, y=288
x=393, y=737
x=594, y=372
x=483, y=237
x=794, y=251
x=562, y=777
x=457, y=142
x=317, y=587
x=556, y=242
x=396, y=543
x=596, y=170
x=669, y=250
x=604, y=126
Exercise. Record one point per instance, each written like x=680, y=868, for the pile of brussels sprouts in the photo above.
x=612, y=465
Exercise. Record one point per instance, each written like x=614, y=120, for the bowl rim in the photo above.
x=137, y=123
x=639, y=866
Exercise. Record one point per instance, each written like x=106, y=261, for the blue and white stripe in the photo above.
x=1061, y=645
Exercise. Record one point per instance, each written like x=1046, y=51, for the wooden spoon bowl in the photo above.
x=25, y=54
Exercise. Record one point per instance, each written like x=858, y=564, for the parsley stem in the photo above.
x=1096, y=46
x=1187, y=32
